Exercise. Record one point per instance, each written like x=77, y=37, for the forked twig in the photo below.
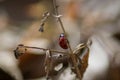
x=73, y=57
x=21, y=49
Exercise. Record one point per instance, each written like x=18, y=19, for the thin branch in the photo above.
x=73, y=57
x=44, y=18
x=42, y=49
x=56, y=14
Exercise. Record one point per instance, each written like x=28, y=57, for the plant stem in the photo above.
x=44, y=49
x=73, y=57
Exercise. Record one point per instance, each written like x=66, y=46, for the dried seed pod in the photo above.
x=44, y=18
x=42, y=27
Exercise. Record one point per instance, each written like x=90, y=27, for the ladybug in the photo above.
x=63, y=41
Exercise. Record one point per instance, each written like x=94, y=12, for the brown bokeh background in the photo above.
x=97, y=20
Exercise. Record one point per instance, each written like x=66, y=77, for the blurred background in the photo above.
x=97, y=20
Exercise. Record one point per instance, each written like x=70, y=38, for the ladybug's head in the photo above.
x=62, y=35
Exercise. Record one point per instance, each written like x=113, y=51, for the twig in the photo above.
x=42, y=49
x=44, y=18
x=73, y=57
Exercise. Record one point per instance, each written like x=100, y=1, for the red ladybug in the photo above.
x=63, y=41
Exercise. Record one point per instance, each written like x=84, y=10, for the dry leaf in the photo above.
x=82, y=53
